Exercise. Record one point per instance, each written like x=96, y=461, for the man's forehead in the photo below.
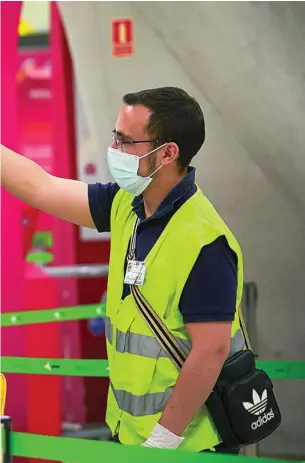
x=132, y=121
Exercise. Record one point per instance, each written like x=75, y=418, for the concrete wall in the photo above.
x=245, y=64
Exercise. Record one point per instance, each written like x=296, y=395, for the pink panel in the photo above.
x=66, y=235
x=34, y=81
x=11, y=255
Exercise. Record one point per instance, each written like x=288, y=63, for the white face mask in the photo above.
x=124, y=169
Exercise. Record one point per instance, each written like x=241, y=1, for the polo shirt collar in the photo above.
x=177, y=193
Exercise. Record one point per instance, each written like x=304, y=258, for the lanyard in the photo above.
x=133, y=241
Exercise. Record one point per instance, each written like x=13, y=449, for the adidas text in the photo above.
x=262, y=420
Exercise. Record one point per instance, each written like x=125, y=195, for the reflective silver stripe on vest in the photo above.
x=150, y=404
x=145, y=346
x=108, y=329
x=142, y=405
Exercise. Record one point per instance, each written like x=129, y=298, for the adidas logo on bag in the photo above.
x=258, y=407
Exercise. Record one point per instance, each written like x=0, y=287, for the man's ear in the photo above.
x=170, y=154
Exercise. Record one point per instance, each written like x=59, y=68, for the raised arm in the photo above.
x=63, y=198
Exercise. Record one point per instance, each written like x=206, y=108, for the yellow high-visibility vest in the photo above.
x=142, y=376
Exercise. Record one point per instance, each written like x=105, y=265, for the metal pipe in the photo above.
x=76, y=271
x=95, y=431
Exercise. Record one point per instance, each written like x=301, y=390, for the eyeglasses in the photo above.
x=119, y=142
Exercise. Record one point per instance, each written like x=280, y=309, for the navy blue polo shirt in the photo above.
x=210, y=291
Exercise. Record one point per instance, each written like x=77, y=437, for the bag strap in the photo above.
x=159, y=329
x=164, y=336
x=244, y=330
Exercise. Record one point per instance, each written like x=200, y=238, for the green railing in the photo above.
x=64, y=314
x=82, y=451
x=99, y=368
x=73, y=450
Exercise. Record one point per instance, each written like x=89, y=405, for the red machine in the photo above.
x=40, y=404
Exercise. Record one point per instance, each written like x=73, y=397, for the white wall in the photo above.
x=245, y=64
x=37, y=14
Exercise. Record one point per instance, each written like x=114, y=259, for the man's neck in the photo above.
x=158, y=190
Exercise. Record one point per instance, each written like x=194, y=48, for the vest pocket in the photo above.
x=133, y=369
x=142, y=374
x=133, y=362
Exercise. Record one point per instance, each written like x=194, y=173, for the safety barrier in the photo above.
x=99, y=368
x=82, y=451
x=277, y=369
x=79, y=450
x=31, y=317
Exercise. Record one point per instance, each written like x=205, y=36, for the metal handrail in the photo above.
x=76, y=271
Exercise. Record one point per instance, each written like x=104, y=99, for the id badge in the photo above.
x=135, y=273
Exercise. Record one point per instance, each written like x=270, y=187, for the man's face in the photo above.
x=131, y=126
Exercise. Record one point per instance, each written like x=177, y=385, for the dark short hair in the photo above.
x=175, y=116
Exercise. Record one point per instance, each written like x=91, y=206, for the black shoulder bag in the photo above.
x=242, y=404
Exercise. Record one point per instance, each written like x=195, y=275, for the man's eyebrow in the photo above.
x=122, y=134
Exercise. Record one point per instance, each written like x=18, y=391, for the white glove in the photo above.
x=163, y=438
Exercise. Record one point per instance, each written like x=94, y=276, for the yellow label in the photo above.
x=2, y=393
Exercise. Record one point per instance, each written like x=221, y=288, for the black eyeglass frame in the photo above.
x=134, y=142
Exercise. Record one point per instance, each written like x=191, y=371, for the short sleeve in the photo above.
x=210, y=291
x=100, y=197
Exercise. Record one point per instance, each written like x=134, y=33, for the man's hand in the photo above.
x=210, y=348
x=162, y=438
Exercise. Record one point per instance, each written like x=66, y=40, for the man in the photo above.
x=191, y=268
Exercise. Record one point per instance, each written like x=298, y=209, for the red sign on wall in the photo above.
x=122, y=38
